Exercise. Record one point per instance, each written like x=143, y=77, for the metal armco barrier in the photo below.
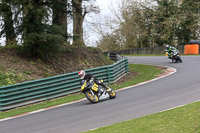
x=114, y=56
x=20, y=94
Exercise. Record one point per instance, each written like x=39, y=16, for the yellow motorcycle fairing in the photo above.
x=83, y=86
x=95, y=87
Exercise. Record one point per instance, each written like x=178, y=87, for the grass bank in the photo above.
x=140, y=73
x=180, y=120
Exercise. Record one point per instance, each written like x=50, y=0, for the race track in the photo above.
x=181, y=88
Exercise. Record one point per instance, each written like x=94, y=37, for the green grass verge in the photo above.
x=37, y=106
x=184, y=119
x=144, y=72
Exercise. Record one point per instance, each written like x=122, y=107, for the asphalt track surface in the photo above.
x=178, y=89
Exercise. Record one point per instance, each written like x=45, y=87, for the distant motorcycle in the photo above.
x=94, y=93
x=175, y=56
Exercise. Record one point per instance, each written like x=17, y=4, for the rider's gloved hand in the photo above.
x=99, y=82
x=91, y=80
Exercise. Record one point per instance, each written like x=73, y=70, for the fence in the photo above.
x=20, y=94
x=148, y=50
x=113, y=56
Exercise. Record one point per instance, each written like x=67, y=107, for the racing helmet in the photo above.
x=81, y=74
x=167, y=47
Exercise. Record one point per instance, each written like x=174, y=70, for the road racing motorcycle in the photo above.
x=97, y=92
x=175, y=56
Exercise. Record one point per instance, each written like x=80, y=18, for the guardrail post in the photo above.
x=126, y=65
x=109, y=75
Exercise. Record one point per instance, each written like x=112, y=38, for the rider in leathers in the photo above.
x=90, y=78
x=169, y=50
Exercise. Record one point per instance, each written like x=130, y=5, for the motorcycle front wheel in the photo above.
x=92, y=98
x=179, y=59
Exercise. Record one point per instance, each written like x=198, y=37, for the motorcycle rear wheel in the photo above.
x=92, y=98
x=112, y=94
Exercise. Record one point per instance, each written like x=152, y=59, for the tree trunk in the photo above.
x=8, y=22
x=78, y=18
x=60, y=15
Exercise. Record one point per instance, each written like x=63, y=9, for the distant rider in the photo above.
x=90, y=78
x=169, y=50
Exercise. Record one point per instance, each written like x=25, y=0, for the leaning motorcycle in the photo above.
x=175, y=56
x=96, y=92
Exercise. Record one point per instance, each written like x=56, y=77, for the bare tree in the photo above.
x=8, y=27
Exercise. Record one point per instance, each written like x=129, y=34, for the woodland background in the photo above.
x=42, y=24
